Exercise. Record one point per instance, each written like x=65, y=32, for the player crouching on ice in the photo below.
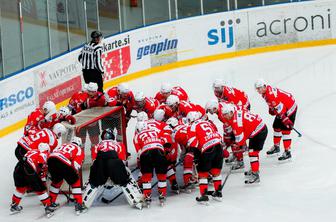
x=30, y=173
x=108, y=157
x=64, y=163
x=205, y=141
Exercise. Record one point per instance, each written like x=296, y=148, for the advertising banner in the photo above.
x=116, y=56
x=58, y=79
x=287, y=24
x=17, y=98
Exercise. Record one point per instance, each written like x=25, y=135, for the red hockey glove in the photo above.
x=287, y=122
x=70, y=119
x=271, y=111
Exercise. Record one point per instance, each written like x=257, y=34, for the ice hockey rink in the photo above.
x=301, y=190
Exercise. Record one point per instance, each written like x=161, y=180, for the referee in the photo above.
x=90, y=58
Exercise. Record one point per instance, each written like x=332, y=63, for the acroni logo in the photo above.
x=223, y=34
x=157, y=48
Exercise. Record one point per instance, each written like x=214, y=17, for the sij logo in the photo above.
x=224, y=34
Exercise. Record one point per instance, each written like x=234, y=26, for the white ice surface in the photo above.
x=301, y=190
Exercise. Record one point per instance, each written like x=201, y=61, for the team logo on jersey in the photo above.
x=223, y=34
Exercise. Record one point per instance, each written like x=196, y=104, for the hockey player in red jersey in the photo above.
x=206, y=143
x=64, y=163
x=146, y=104
x=182, y=108
x=31, y=142
x=150, y=149
x=86, y=99
x=230, y=94
x=180, y=136
x=64, y=114
x=167, y=90
x=30, y=173
x=121, y=95
x=282, y=105
x=215, y=107
x=247, y=126
x=108, y=163
x=38, y=117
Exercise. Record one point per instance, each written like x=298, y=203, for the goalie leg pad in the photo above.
x=90, y=194
x=133, y=193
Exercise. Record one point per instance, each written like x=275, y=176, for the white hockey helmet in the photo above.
x=59, y=129
x=259, y=83
x=92, y=87
x=123, y=88
x=139, y=96
x=172, y=100
x=142, y=116
x=159, y=114
x=211, y=106
x=165, y=88
x=44, y=147
x=227, y=108
x=218, y=83
x=140, y=126
x=77, y=140
x=49, y=107
x=193, y=116
x=172, y=121
x=65, y=111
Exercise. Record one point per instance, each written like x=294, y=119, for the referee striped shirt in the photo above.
x=90, y=57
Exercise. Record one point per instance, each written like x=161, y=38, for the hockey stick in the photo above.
x=225, y=179
x=299, y=134
x=106, y=201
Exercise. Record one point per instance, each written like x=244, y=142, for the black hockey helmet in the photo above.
x=96, y=34
x=107, y=134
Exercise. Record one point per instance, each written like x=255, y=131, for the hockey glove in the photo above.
x=70, y=119
x=271, y=111
x=287, y=122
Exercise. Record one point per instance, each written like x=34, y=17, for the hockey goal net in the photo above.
x=89, y=125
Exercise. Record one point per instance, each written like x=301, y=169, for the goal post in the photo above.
x=89, y=125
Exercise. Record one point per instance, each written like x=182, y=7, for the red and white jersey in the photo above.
x=177, y=91
x=227, y=129
x=44, y=136
x=168, y=111
x=148, y=140
x=245, y=125
x=50, y=120
x=202, y=135
x=185, y=107
x=33, y=122
x=98, y=100
x=109, y=145
x=234, y=96
x=77, y=100
x=115, y=99
x=38, y=161
x=70, y=154
x=180, y=135
x=282, y=102
x=149, y=107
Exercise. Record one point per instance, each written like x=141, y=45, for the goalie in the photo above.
x=108, y=156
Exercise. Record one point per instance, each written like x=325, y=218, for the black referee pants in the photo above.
x=93, y=75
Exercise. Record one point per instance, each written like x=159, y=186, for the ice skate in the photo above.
x=204, y=199
x=238, y=165
x=175, y=187
x=80, y=208
x=285, y=156
x=217, y=195
x=15, y=208
x=49, y=211
x=274, y=149
x=254, y=178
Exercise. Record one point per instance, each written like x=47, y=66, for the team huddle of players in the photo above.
x=168, y=126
